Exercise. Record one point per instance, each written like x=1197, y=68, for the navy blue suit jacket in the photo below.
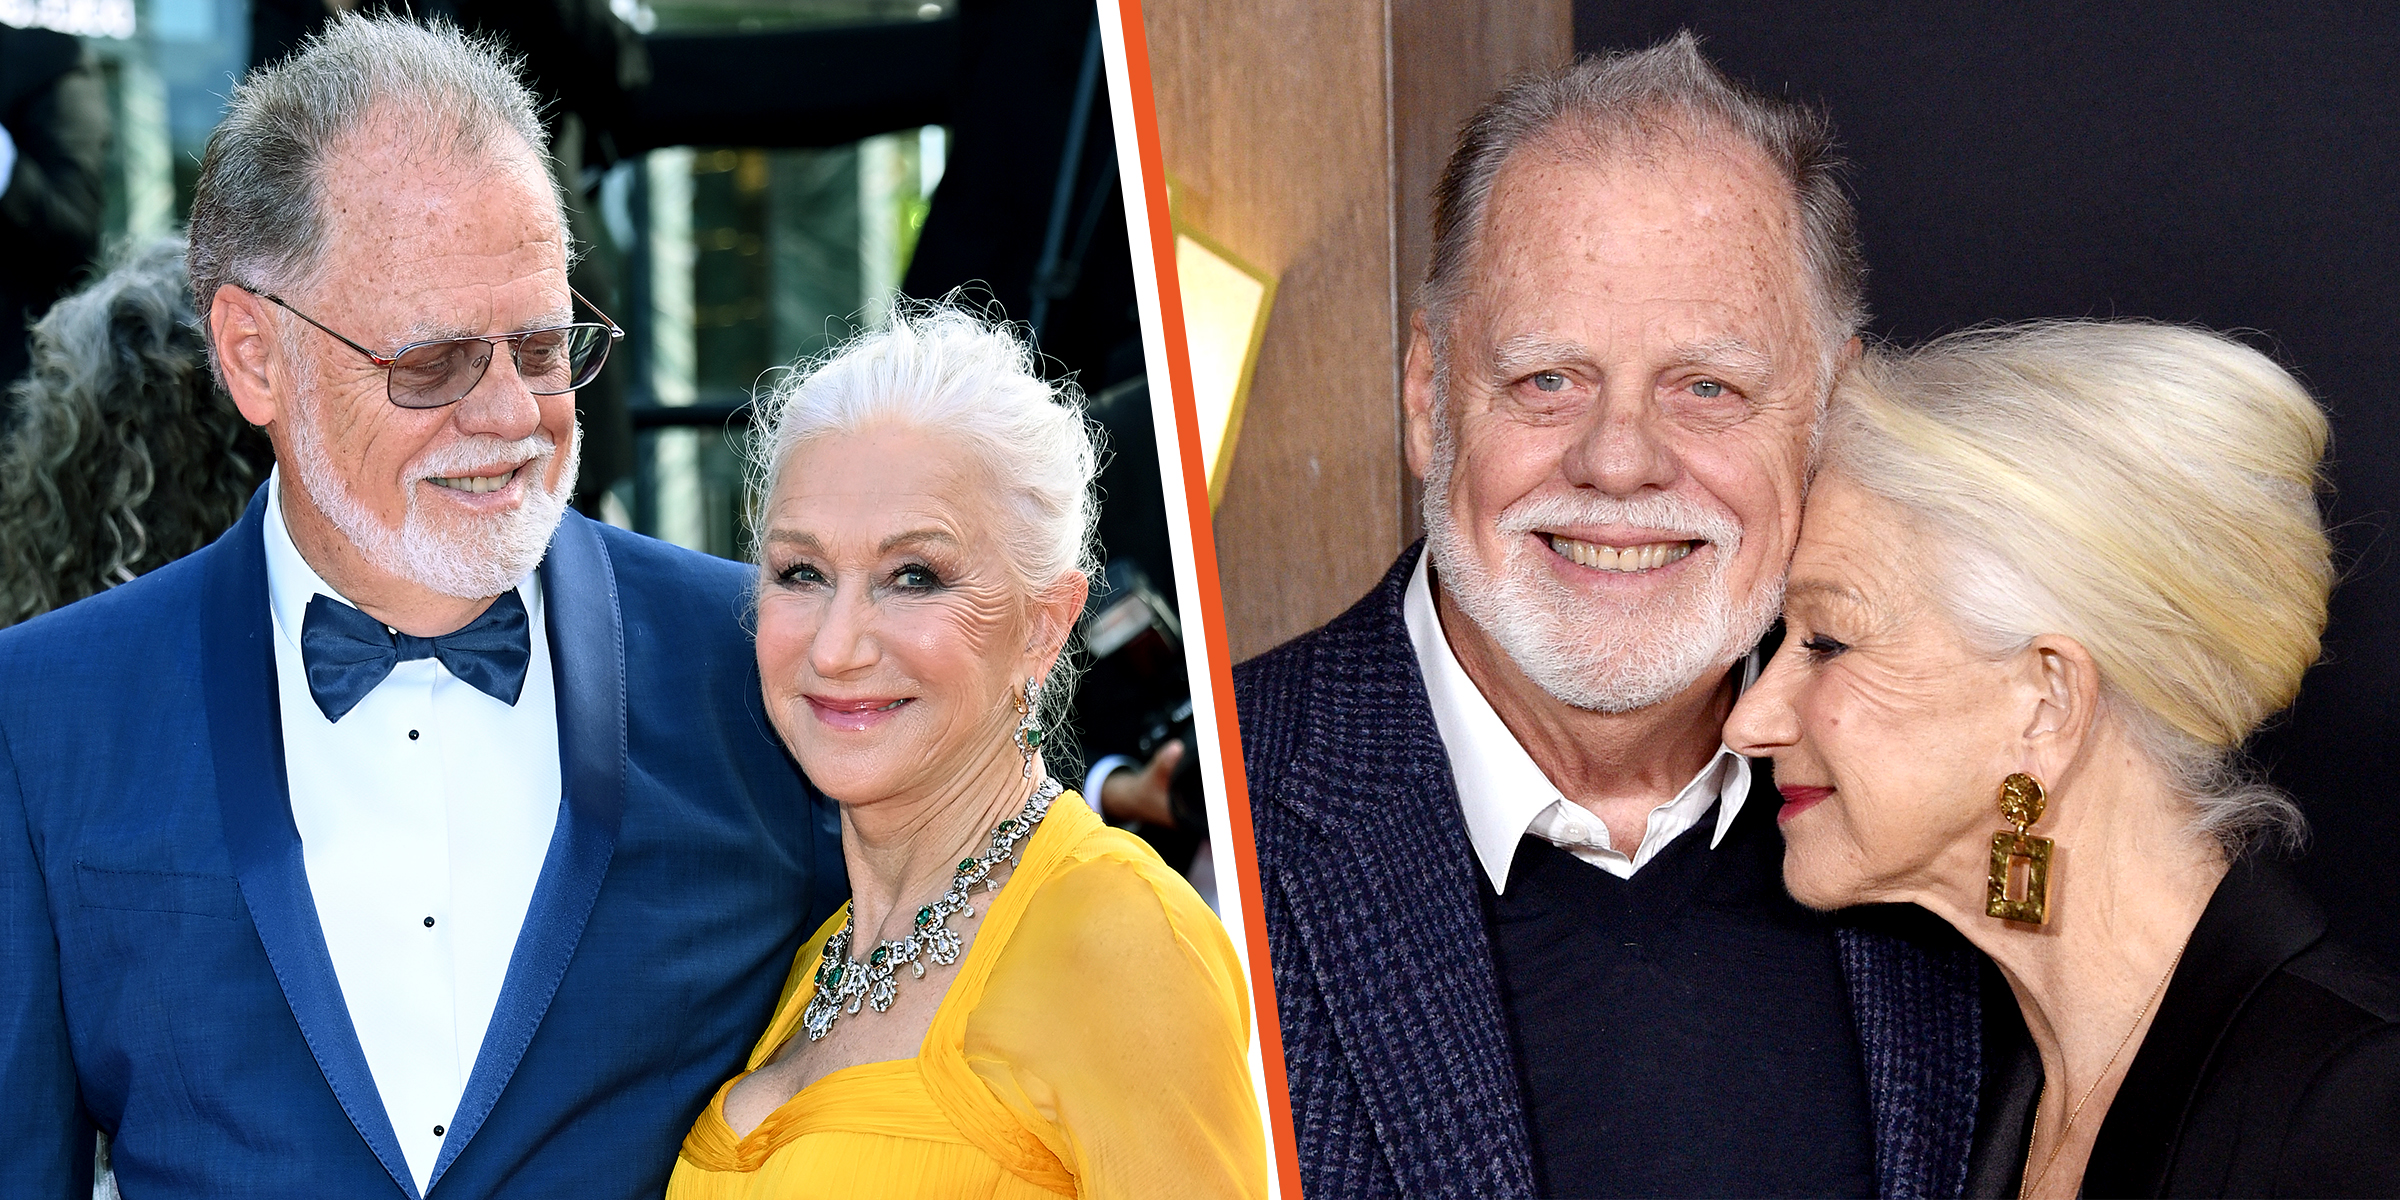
x=165, y=976
x=1396, y=1049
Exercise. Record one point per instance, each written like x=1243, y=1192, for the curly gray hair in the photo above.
x=125, y=456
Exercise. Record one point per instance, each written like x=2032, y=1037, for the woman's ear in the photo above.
x=1054, y=615
x=2064, y=684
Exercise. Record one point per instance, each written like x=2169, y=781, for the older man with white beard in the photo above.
x=1524, y=907
x=416, y=834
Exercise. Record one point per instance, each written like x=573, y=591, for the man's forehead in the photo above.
x=1698, y=208
x=444, y=238
x=402, y=173
x=1691, y=251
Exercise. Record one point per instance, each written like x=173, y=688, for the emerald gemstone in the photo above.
x=924, y=916
x=1008, y=824
x=1033, y=737
x=965, y=865
x=876, y=959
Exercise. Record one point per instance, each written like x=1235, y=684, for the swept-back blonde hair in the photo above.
x=2148, y=490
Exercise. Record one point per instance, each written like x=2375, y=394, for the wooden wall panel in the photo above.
x=1305, y=135
x=1448, y=57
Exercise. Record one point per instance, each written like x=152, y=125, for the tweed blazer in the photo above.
x=1403, y=1082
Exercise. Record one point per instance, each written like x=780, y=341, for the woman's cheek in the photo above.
x=785, y=630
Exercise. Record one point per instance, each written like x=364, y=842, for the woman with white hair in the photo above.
x=2050, y=578
x=1018, y=1001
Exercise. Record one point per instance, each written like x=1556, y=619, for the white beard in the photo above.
x=483, y=558
x=1586, y=650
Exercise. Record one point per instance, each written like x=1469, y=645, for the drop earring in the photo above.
x=1029, y=733
x=2021, y=803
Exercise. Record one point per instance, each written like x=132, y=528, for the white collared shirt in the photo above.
x=1505, y=795
x=428, y=801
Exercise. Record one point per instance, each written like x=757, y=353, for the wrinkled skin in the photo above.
x=1876, y=696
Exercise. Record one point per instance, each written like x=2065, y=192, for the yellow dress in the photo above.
x=1093, y=1043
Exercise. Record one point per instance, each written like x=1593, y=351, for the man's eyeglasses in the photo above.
x=442, y=371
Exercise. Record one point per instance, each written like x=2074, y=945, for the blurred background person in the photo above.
x=124, y=455
x=54, y=132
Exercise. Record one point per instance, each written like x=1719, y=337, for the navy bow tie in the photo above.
x=348, y=652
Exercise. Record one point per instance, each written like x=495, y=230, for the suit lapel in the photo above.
x=586, y=628
x=1384, y=899
x=245, y=729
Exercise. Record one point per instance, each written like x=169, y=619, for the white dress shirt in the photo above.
x=1505, y=795
x=424, y=817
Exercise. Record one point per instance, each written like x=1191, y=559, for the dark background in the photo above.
x=2229, y=165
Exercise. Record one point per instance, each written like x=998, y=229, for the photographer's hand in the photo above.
x=1130, y=795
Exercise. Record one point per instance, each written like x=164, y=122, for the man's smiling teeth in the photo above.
x=1611, y=558
x=473, y=483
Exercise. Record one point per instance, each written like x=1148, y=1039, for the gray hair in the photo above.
x=1634, y=101
x=257, y=216
x=124, y=455
x=2148, y=490
x=939, y=368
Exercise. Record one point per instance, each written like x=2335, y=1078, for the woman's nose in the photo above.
x=845, y=643
x=1764, y=721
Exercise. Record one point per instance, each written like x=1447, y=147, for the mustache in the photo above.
x=482, y=452
x=1663, y=511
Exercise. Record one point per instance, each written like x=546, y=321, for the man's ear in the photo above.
x=243, y=336
x=2064, y=684
x=1416, y=395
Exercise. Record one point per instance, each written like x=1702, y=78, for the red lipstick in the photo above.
x=1798, y=799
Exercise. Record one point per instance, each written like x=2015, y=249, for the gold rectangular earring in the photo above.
x=2021, y=802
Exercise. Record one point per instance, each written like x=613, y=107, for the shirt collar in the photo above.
x=291, y=582
x=1500, y=788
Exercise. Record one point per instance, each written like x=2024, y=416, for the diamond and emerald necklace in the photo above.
x=844, y=983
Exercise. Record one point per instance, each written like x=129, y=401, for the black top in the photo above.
x=2272, y=1069
x=1684, y=1031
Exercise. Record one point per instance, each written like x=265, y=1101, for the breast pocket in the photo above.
x=123, y=890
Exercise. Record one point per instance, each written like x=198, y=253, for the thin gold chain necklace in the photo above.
x=2027, y=1187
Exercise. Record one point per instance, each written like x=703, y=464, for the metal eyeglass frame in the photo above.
x=516, y=341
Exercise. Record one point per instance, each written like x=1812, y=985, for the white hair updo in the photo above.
x=943, y=369
x=2148, y=490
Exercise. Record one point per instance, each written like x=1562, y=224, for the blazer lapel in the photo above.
x=245, y=729
x=2258, y=920
x=1384, y=898
x=587, y=649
